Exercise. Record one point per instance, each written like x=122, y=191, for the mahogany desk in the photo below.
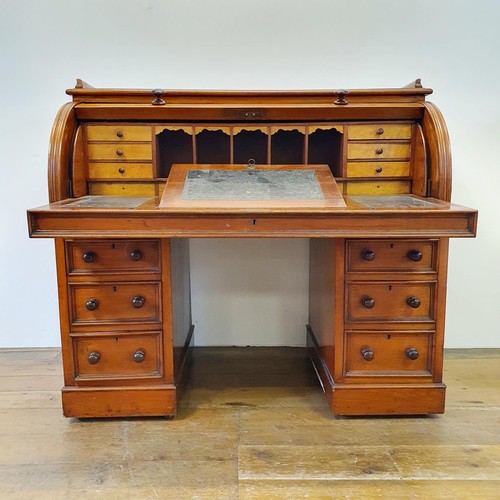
x=378, y=215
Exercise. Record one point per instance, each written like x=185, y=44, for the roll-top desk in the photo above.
x=379, y=219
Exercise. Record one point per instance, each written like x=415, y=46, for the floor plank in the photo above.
x=252, y=424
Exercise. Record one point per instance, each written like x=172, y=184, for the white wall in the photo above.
x=253, y=44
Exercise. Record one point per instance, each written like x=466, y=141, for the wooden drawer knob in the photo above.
x=412, y=353
x=415, y=255
x=368, y=254
x=378, y=170
x=367, y=354
x=93, y=357
x=413, y=302
x=138, y=301
x=92, y=304
x=379, y=151
x=119, y=152
x=121, y=170
x=119, y=133
x=89, y=257
x=139, y=356
x=380, y=131
x=368, y=302
x=135, y=255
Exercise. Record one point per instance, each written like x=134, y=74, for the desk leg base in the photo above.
x=387, y=399
x=90, y=402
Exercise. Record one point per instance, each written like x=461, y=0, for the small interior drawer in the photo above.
x=379, y=131
x=377, y=150
x=118, y=133
x=378, y=169
x=120, y=151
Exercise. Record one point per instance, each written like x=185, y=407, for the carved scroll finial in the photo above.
x=158, y=93
x=340, y=97
x=80, y=84
x=417, y=84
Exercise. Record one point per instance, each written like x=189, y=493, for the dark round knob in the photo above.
x=378, y=170
x=379, y=151
x=413, y=302
x=119, y=133
x=368, y=254
x=139, y=356
x=92, y=304
x=121, y=170
x=89, y=257
x=368, y=302
x=119, y=152
x=93, y=357
x=135, y=255
x=415, y=255
x=380, y=131
x=412, y=353
x=367, y=354
x=138, y=301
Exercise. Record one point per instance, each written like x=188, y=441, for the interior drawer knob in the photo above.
x=415, y=255
x=138, y=301
x=119, y=133
x=135, y=255
x=367, y=354
x=412, y=353
x=92, y=304
x=379, y=151
x=368, y=302
x=413, y=302
x=139, y=356
x=93, y=357
x=119, y=152
x=89, y=257
x=378, y=170
x=368, y=254
x=380, y=131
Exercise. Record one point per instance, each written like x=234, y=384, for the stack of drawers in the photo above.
x=119, y=157
x=381, y=151
x=115, y=313
x=390, y=290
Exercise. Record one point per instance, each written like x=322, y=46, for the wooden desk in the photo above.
x=379, y=236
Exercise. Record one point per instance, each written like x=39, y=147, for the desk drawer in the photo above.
x=118, y=356
x=388, y=352
x=118, y=133
x=120, y=171
x=120, y=152
x=390, y=301
x=94, y=257
x=377, y=150
x=391, y=255
x=115, y=303
x=379, y=131
x=378, y=169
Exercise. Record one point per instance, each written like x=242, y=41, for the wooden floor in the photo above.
x=253, y=423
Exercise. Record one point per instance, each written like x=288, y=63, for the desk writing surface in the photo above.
x=275, y=187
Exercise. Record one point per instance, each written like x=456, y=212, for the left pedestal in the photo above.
x=125, y=325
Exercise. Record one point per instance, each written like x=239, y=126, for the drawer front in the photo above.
x=378, y=131
x=118, y=133
x=390, y=301
x=118, y=356
x=382, y=255
x=117, y=188
x=120, y=171
x=115, y=303
x=377, y=150
x=93, y=257
x=120, y=152
x=378, y=169
x=388, y=352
